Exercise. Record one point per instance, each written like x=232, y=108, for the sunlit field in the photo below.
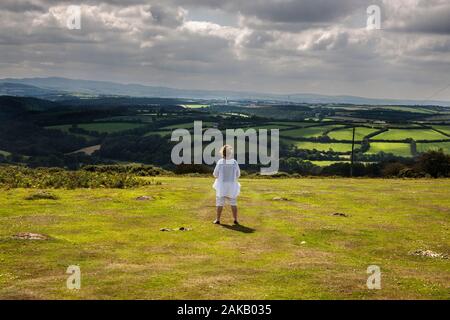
x=299, y=239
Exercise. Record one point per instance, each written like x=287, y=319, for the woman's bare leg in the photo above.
x=234, y=210
x=219, y=213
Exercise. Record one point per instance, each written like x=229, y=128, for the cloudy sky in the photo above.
x=277, y=46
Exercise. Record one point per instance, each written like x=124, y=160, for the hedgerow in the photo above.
x=23, y=177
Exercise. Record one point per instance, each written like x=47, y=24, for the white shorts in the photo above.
x=220, y=201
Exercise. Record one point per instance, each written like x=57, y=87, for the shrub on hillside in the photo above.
x=134, y=169
x=434, y=163
x=22, y=177
x=392, y=169
x=193, y=168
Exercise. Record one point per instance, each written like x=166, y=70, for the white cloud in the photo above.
x=277, y=45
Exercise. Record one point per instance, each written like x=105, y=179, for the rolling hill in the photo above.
x=53, y=86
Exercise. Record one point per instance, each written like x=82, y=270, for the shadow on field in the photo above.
x=239, y=228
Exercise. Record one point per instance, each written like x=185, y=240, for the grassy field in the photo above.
x=5, y=153
x=400, y=149
x=270, y=126
x=309, y=132
x=108, y=127
x=416, y=134
x=195, y=106
x=423, y=147
x=188, y=125
x=294, y=249
x=445, y=129
x=325, y=163
x=337, y=147
x=347, y=133
x=161, y=133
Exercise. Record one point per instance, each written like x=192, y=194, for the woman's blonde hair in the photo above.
x=226, y=151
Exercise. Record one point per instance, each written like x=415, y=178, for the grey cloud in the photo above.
x=279, y=46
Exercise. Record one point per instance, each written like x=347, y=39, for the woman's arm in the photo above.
x=238, y=170
x=216, y=171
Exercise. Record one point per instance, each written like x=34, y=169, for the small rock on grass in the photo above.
x=30, y=236
x=145, y=198
x=177, y=229
x=41, y=195
x=280, y=199
x=338, y=214
x=429, y=254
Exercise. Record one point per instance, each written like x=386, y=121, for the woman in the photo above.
x=227, y=186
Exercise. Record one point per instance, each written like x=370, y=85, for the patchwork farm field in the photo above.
x=423, y=147
x=445, y=129
x=292, y=132
x=309, y=132
x=347, y=133
x=293, y=249
x=400, y=149
x=416, y=134
x=337, y=147
x=325, y=163
x=101, y=127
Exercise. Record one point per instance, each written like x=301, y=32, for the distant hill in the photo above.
x=55, y=88
x=20, y=89
x=15, y=104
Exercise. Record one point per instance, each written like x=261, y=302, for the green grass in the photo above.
x=324, y=163
x=195, y=106
x=347, y=133
x=101, y=127
x=337, y=147
x=423, y=147
x=269, y=126
x=295, y=124
x=416, y=134
x=188, y=125
x=160, y=133
x=407, y=109
x=5, y=153
x=310, y=132
x=286, y=250
x=399, y=149
x=445, y=129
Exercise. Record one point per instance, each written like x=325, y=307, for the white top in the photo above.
x=227, y=173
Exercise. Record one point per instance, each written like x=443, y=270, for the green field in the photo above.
x=5, y=153
x=347, y=133
x=270, y=126
x=195, y=106
x=309, y=132
x=445, y=129
x=293, y=249
x=188, y=125
x=407, y=109
x=337, y=147
x=160, y=133
x=423, y=147
x=294, y=124
x=399, y=149
x=101, y=127
x=416, y=134
x=327, y=163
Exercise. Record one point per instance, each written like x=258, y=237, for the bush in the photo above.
x=22, y=177
x=41, y=195
x=392, y=169
x=410, y=173
x=193, y=168
x=434, y=163
x=134, y=169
